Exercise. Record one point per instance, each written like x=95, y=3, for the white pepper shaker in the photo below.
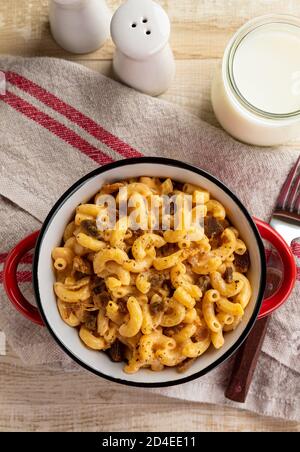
x=143, y=58
x=80, y=26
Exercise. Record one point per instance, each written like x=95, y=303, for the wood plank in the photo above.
x=80, y=401
x=185, y=417
x=200, y=29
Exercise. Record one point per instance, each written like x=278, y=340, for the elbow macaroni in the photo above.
x=133, y=326
x=144, y=289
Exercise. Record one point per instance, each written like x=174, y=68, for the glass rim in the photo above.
x=229, y=57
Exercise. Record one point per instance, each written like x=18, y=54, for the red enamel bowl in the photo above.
x=252, y=230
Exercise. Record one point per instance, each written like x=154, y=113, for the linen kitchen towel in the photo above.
x=58, y=121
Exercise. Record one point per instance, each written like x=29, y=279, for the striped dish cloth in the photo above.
x=59, y=121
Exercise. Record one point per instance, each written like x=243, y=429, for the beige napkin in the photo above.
x=58, y=121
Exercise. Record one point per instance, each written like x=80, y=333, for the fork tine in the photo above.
x=285, y=191
x=293, y=194
x=297, y=203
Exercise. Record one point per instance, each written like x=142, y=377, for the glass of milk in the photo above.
x=256, y=91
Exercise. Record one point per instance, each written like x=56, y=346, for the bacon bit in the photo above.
x=78, y=275
x=135, y=235
x=156, y=307
x=90, y=320
x=98, y=285
x=122, y=305
x=242, y=262
x=212, y=226
x=228, y=275
x=101, y=297
x=178, y=185
x=168, y=286
x=157, y=279
x=117, y=352
x=90, y=228
x=204, y=283
x=167, y=250
x=101, y=300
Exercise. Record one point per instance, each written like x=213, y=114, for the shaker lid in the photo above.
x=69, y=4
x=140, y=28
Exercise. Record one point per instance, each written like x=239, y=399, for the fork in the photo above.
x=288, y=203
x=286, y=220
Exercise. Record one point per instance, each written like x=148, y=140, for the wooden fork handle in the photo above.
x=245, y=362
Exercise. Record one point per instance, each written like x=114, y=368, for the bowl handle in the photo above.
x=289, y=267
x=11, y=283
x=32, y=313
x=247, y=355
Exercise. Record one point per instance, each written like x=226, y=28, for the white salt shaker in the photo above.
x=80, y=26
x=143, y=58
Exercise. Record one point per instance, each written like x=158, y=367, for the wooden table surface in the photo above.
x=34, y=399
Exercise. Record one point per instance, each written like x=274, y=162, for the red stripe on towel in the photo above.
x=74, y=115
x=296, y=250
x=58, y=129
x=27, y=259
x=3, y=256
x=22, y=277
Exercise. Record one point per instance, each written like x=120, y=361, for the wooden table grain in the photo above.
x=35, y=399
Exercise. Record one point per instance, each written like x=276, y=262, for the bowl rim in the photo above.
x=177, y=164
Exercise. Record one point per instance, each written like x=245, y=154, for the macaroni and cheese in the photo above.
x=152, y=296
